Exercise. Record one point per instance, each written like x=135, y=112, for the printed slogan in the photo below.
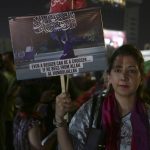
x=60, y=67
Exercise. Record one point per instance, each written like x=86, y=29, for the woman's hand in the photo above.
x=63, y=105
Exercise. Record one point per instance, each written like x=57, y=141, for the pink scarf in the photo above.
x=112, y=123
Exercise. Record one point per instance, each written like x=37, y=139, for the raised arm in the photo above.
x=63, y=105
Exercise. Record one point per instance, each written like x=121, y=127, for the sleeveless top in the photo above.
x=21, y=126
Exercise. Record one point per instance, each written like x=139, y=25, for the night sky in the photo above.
x=144, y=27
x=9, y=8
x=35, y=7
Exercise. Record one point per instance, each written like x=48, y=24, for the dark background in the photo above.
x=34, y=7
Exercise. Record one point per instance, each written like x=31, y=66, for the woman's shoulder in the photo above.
x=34, y=121
x=83, y=114
x=85, y=109
x=80, y=121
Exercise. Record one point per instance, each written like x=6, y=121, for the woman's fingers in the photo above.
x=63, y=104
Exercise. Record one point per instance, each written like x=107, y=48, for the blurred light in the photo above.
x=114, y=38
x=115, y=2
x=146, y=54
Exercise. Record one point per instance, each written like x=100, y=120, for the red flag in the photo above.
x=66, y=5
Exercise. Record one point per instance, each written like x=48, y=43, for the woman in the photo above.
x=125, y=116
x=28, y=125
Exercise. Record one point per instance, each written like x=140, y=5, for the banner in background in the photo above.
x=58, y=43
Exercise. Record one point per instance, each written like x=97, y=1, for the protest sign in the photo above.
x=58, y=43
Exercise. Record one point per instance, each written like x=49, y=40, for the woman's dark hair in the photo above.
x=28, y=96
x=129, y=50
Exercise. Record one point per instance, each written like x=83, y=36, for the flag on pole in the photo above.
x=66, y=5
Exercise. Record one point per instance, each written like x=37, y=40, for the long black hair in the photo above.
x=28, y=95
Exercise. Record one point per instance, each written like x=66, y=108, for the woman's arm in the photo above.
x=64, y=138
x=75, y=137
x=63, y=105
x=34, y=135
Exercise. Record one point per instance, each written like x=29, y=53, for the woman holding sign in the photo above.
x=117, y=121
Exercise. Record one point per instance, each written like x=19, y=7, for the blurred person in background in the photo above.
x=1, y=63
x=10, y=73
x=3, y=90
x=28, y=123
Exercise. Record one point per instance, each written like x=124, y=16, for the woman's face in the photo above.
x=125, y=76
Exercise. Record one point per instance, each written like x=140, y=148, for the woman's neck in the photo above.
x=125, y=104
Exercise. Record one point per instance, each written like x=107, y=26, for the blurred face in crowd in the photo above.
x=8, y=62
x=125, y=76
x=47, y=98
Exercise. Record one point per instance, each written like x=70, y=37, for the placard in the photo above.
x=58, y=43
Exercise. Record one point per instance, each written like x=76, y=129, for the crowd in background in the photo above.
x=30, y=104
x=25, y=106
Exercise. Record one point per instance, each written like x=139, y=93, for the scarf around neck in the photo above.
x=112, y=124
